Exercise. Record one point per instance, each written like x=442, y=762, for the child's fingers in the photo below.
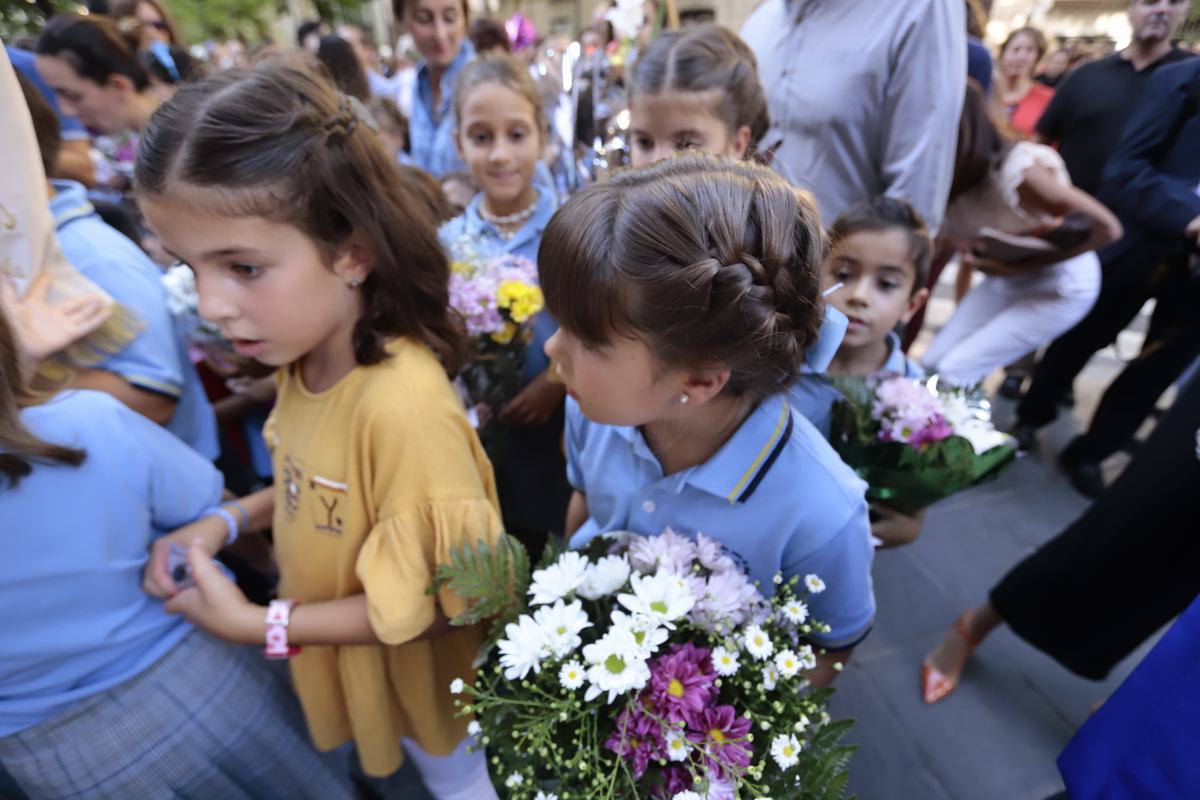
x=183, y=602
x=157, y=579
x=204, y=570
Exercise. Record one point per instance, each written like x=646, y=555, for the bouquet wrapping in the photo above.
x=201, y=336
x=497, y=296
x=915, y=442
x=646, y=667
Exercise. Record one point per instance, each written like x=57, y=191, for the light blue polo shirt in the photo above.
x=525, y=243
x=814, y=396
x=157, y=359
x=776, y=494
x=431, y=130
x=76, y=540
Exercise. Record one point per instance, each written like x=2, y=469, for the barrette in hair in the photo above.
x=162, y=54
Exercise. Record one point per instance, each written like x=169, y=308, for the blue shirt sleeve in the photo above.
x=69, y=128
x=182, y=482
x=844, y=563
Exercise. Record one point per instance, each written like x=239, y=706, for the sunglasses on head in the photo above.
x=159, y=25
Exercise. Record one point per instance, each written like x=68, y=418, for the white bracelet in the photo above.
x=232, y=528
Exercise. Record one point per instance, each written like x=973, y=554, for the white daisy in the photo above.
x=678, y=745
x=457, y=686
x=787, y=663
x=559, y=579
x=604, y=577
x=770, y=676
x=757, y=642
x=814, y=584
x=801, y=724
x=795, y=611
x=648, y=634
x=572, y=674
x=786, y=751
x=664, y=597
x=545, y=796
x=687, y=795
x=522, y=648
x=617, y=665
x=562, y=623
x=725, y=663
x=806, y=657
x=514, y=780
x=474, y=728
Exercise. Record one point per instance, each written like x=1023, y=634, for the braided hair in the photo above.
x=707, y=260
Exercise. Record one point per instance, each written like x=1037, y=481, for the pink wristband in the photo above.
x=279, y=613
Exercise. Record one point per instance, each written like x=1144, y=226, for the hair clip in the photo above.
x=162, y=54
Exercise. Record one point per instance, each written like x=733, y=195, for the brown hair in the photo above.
x=502, y=69
x=707, y=58
x=884, y=214
x=704, y=259
x=277, y=141
x=19, y=448
x=1039, y=40
x=981, y=145
x=487, y=34
x=121, y=9
x=338, y=60
x=45, y=123
x=430, y=191
x=975, y=18
x=94, y=48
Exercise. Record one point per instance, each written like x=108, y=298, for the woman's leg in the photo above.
x=462, y=775
x=983, y=303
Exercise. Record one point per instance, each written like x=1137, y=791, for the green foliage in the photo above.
x=220, y=19
x=26, y=17
x=491, y=581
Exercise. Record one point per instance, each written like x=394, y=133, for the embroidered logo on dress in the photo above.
x=330, y=494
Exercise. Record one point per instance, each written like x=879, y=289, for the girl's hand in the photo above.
x=43, y=328
x=535, y=404
x=215, y=604
x=895, y=529
x=156, y=581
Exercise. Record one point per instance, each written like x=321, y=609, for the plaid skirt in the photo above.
x=208, y=720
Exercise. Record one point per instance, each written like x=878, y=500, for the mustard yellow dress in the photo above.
x=378, y=479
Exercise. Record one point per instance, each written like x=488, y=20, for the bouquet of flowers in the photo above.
x=916, y=442
x=497, y=296
x=646, y=667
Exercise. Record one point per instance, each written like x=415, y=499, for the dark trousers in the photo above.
x=1127, y=284
x=1126, y=567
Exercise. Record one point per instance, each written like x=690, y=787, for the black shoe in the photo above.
x=1011, y=388
x=1026, y=436
x=1084, y=475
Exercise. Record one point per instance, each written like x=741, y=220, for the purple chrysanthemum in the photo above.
x=638, y=739
x=681, y=682
x=721, y=735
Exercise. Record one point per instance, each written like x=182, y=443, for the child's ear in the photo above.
x=354, y=261
x=458, y=145
x=700, y=387
x=915, y=303
x=741, y=142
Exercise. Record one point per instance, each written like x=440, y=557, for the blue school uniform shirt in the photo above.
x=431, y=130
x=814, y=396
x=485, y=238
x=776, y=495
x=156, y=360
x=76, y=540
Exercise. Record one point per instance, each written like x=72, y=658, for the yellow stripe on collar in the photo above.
x=762, y=454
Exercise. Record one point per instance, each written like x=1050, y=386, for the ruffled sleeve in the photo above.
x=400, y=555
x=1023, y=156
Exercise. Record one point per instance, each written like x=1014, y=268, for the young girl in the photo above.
x=879, y=258
x=696, y=88
x=102, y=693
x=687, y=292
x=1018, y=307
x=313, y=256
x=500, y=137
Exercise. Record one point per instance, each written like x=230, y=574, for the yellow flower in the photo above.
x=506, y=334
x=521, y=300
x=461, y=267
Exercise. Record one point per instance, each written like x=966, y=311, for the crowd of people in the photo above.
x=778, y=211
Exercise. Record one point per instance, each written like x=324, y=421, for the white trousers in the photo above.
x=1004, y=318
x=458, y=776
